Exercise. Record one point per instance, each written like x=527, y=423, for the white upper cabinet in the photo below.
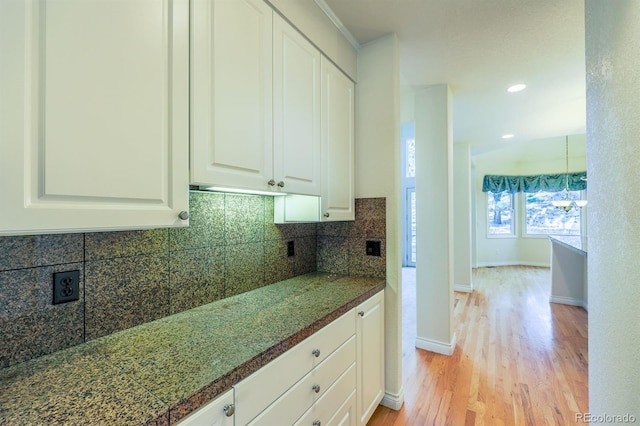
x=255, y=100
x=338, y=142
x=231, y=94
x=296, y=110
x=93, y=115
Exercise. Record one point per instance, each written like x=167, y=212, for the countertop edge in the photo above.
x=568, y=245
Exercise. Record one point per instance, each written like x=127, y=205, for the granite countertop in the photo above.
x=157, y=373
x=573, y=242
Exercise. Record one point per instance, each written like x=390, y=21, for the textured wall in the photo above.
x=132, y=277
x=613, y=131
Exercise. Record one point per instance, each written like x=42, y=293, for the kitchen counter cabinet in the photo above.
x=172, y=366
x=569, y=270
x=370, y=356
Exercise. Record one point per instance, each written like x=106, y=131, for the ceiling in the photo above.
x=481, y=47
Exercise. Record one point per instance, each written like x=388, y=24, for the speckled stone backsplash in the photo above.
x=342, y=245
x=133, y=277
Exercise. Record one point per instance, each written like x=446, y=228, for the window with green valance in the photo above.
x=534, y=183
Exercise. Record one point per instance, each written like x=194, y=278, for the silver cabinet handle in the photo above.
x=316, y=423
x=184, y=215
x=229, y=410
x=281, y=184
x=271, y=183
x=326, y=214
x=361, y=313
x=316, y=353
x=316, y=388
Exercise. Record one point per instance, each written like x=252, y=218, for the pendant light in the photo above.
x=566, y=204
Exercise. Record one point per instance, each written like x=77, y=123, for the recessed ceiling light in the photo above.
x=516, y=88
x=508, y=136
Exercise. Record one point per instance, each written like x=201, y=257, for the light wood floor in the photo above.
x=519, y=360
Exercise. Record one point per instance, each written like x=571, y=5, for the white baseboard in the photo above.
x=393, y=401
x=463, y=288
x=512, y=263
x=436, y=346
x=568, y=301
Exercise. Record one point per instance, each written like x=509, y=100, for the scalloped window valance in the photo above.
x=534, y=183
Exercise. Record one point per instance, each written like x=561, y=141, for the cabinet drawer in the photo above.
x=212, y=414
x=290, y=406
x=332, y=401
x=258, y=391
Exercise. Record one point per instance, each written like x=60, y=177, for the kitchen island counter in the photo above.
x=159, y=372
x=569, y=270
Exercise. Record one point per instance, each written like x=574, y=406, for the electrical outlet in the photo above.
x=373, y=248
x=66, y=286
x=290, y=248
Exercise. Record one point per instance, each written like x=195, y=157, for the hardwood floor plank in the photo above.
x=519, y=360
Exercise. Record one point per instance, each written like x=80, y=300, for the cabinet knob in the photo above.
x=316, y=353
x=271, y=183
x=281, y=184
x=184, y=215
x=229, y=409
x=316, y=388
x=326, y=214
x=316, y=423
x=361, y=313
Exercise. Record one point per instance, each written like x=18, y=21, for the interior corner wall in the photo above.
x=535, y=157
x=378, y=175
x=613, y=129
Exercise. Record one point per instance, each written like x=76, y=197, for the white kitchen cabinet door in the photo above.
x=370, y=356
x=296, y=113
x=346, y=414
x=93, y=115
x=338, y=141
x=231, y=94
x=219, y=412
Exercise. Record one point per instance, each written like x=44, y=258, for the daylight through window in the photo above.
x=500, y=214
x=542, y=218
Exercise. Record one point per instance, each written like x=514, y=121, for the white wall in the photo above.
x=434, y=220
x=613, y=131
x=462, y=187
x=378, y=175
x=543, y=156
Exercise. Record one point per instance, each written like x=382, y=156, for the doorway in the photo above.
x=408, y=148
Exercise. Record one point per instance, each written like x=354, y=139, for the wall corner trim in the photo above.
x=436, y=346
x=393, y=401
x=463, y=288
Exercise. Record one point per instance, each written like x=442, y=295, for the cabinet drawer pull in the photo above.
x=271, y=183
x=229, y=410
x=327, y=214
x=316, y=388
x=316, y=353
x=281, y=184
x=361, y=313
x=316, y=423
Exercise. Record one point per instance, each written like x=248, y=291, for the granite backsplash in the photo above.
x=129, y=278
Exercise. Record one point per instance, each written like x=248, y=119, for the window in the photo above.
x=542, y=218
x=500, y=217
